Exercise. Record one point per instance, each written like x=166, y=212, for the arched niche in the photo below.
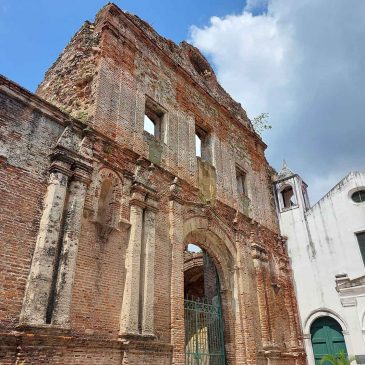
x=107, y=202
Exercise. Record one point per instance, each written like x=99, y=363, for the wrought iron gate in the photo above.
x=204, y=340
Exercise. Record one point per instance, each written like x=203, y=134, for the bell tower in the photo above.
x=291, y=200
x=290, y=191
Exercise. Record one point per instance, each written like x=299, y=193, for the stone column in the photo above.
x=40, y=280
x=260, y=260
x=289, y=306
x=176, y=234
x=129, y=322
x=67, y=263
x=247, y=317
x=149, y=223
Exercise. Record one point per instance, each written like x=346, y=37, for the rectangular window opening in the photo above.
x=202, y=144
x=153, y=119
x=149, y=125
x=198, y=146
x=241, y=181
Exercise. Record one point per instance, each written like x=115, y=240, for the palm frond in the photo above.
x=329, y=358
x=340, y=359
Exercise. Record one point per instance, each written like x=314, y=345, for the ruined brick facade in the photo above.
x=96, y=212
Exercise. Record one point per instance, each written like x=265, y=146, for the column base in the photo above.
x=43, y=328
x=137, y=336
x=149, y=335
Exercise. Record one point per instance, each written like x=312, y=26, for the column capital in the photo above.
x=138, y=203
x=61, y=155
x=60, y=166
x=152, y=202
x=259, y=253
x=138, y=196
x=82, y=172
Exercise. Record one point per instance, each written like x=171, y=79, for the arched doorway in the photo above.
x=327, y=338
x=203, y=316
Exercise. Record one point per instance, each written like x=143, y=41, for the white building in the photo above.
x=326, y=244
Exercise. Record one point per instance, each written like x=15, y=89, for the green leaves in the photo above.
x=260, y=123
x=340, y=359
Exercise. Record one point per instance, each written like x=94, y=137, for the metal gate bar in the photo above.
x=204, y=339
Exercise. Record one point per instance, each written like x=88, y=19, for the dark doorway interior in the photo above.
x=204, y=337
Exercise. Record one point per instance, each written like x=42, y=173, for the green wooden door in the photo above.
x=327, y=338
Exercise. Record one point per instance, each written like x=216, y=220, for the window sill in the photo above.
x=290, y=208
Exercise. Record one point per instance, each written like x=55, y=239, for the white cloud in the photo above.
x=302, y=62
x=250, y=54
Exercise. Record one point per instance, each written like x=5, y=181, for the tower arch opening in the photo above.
x=288, y=197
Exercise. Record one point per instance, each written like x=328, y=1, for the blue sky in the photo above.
x=300, y=61
x=33, y=33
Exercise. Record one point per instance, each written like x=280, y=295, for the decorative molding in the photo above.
x=349, y=302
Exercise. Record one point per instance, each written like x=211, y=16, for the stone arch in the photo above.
x=216, y=242
x=212, y=238
x=323, y=312
x=311, y=318
x=199, y=222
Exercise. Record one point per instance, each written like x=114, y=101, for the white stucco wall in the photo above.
x=321, y=244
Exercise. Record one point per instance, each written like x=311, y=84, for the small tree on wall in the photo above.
x=260, y=123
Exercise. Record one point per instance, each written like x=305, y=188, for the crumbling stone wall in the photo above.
x=28, y=135
x=127, y=63
x=70, y=83
x=103, y=211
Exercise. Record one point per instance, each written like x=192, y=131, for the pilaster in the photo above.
x=129, y=323
x=177, y=275
x=260, y=259
x=290, y=306
x=149, y=223
x=251, y=341
x=40, y=281
x=70, y=243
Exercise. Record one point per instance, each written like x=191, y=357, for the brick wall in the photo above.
x=104, y=77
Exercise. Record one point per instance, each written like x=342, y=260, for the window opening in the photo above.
x=202, y=144
x=149, y=125
x=153, y=119
x=288, y=197
x=241, y=181
x=198, y=146
x=358, y=196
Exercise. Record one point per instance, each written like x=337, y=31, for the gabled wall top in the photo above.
x=184, y=57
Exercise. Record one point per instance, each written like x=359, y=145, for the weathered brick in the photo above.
x=85, y=125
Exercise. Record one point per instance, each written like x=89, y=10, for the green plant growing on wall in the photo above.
x=82, y=115
x=260, y=123
x=341, y=359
